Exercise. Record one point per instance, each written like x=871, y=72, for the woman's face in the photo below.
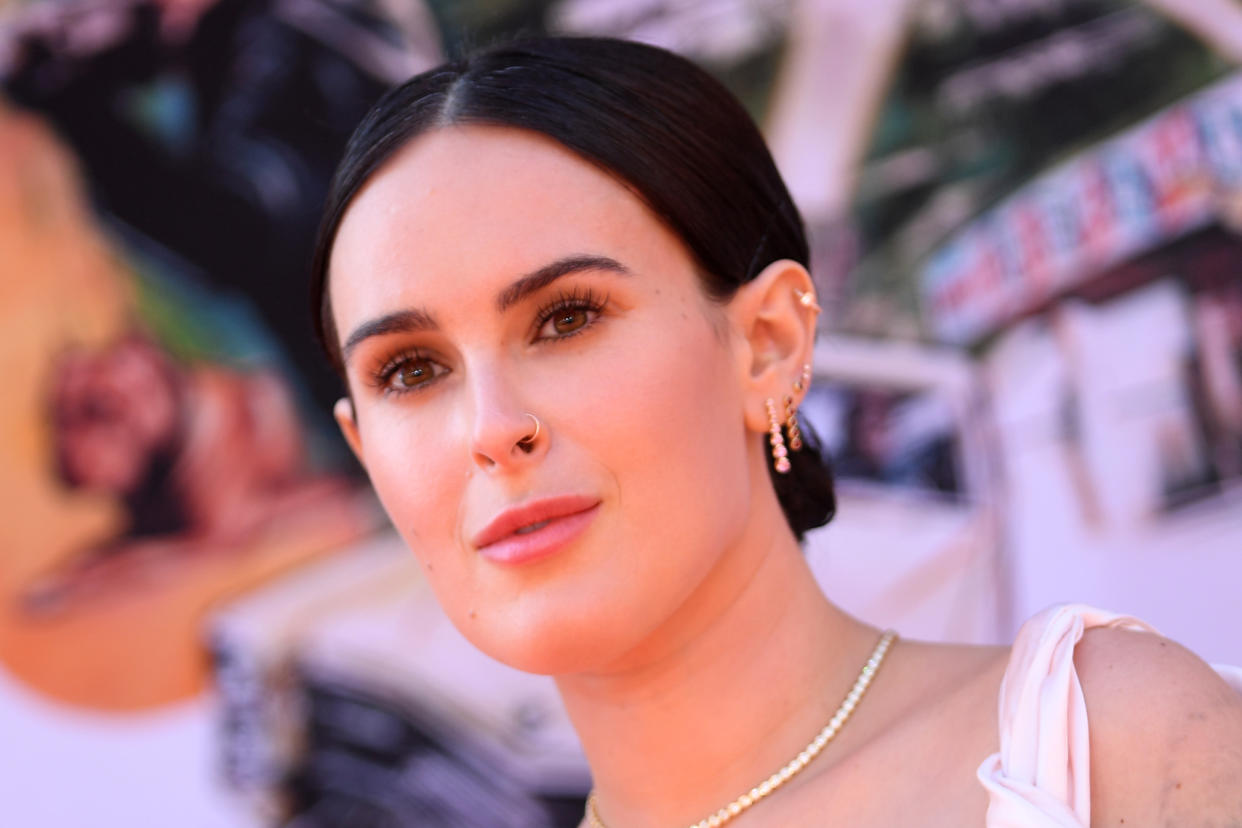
x=631, y=371
x=115, y=410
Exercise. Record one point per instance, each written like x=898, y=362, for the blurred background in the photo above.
x=1025, y=217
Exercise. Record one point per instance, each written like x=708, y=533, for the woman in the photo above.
x=567, y=292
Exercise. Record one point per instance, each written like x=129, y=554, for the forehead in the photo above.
x=476, y=206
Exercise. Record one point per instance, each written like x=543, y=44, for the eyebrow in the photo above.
x=402, y=321
x=549, y=273
x=415, y=319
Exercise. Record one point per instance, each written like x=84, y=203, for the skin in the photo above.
x=691, y=646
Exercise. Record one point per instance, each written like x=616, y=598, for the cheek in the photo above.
x=668, y=426
x=417, y=484
x=667, y=423
x=676, y=417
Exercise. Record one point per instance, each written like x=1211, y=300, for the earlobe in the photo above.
x=343, y=412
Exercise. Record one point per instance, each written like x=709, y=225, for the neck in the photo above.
x=728, y=690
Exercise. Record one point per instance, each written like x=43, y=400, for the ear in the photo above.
x=776, y=329
x=343, y=412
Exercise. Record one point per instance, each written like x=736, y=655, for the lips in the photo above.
x=535, y=529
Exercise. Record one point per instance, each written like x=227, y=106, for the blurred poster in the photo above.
x=208, y=129
x=167, y=433
x=985, y=98
x=147, y=473
x=1137, y=192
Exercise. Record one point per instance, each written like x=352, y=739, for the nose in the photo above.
x=504, y=434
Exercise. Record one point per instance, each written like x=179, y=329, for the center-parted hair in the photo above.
x=665, y=128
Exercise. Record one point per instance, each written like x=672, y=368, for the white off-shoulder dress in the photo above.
x=1040, y=777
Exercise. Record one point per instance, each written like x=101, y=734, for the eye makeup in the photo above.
x=413, y=369
x=565, y=304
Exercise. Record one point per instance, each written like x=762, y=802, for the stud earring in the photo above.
x=780, y=456
x=791, y=423
x=803, y=381
x=806, y=298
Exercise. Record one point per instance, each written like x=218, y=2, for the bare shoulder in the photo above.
x=1165, y=732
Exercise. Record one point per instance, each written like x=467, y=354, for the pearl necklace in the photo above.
x=795, y=766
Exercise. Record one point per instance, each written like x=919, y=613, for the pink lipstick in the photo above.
x=535, y=529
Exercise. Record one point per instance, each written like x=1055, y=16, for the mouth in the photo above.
x=536, y=529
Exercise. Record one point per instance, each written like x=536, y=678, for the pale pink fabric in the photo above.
x=1040, y=778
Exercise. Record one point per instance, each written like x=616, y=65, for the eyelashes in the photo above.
x=410, y=369
x=565, y=303
x=567, y=314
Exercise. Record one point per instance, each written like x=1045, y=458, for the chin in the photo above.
x=544, y=641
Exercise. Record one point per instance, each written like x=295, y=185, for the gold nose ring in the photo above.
x=530, y=439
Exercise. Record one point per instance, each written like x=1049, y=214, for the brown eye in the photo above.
x=568, y=315
x=408, y=372
x=569, y=321
x=413, y=372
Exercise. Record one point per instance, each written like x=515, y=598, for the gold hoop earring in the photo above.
x=780, y=455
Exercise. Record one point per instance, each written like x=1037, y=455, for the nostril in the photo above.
x=526, y=446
